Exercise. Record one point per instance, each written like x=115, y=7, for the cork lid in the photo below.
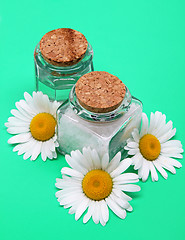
x=100, y=92
x=63, y=46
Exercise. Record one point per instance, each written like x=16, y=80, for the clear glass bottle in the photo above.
x=78, y=127
x=57, y=81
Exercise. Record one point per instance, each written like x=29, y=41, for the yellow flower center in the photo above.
x=97, y=184
x=42, y=126
x=150, y=147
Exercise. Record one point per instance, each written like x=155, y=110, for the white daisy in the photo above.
x=95, y=184
x=152, y=148
x=34, y=124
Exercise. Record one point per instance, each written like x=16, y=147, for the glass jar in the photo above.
x=78, y=127
x=57, y=81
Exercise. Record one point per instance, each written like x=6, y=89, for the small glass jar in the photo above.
x=57, y=81
x=106, y=132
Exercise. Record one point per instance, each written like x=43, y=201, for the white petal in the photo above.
x=140, y=170
x=160, y=169
x=121, y=194
x=171, y=161
x=119, y=201
x=104, y=210
x=24, y=147
x=87, y=154
x=36, y=150
x=122, y=167
x=164, y=129
x=26, y=107
x=130, y=208
x=103, y=223
x=133, y=145
x=18, y=115
x=146, y=170
x=171, y=150
x=36, y=102
x=58, y=193
x=157, y=120
x=30, y=102
x=23, y=112
x=53, y=109
x=154, y=174
x=71, y=186
x=167, y=136
x=172, y=143
x=20, y=138
x=28, y=97
x=174, y=163
x=17, y=130
x=144, y=128
x=15, y=122
x=43, y=102
x=129, y=188
x=45, y=151
x=151, y=122
x=54, y=154
x=90, y=211
x=27, y=154
x=52, y=146
x=160, y=126
x=81, y=208
x=29, y=151
x=175, y=155
x=133, y=151
x=95, y=213
x=138, y=161
x=125, y=178
x=121, y=213
x=72, y=199
x=126, y=148
x=96, y=159
x=73, y=204
x=43, y=154
x=73, y=162
x=126, y=182
x=72, y=210
x=65, y=192
x=72, y=172
x=114, y=163
x=82, y=161
x=165, y=164
x=135, y=135
x=105, y=161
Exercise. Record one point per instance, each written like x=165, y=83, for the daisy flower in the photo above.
x=94, y=184
x=152, y=148
x=34, y=123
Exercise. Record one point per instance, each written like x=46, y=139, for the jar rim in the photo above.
x=80, y=66
x=100, y=117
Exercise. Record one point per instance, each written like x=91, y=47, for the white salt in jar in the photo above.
x=100, y=113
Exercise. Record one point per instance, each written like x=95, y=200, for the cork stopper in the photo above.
x=63, y=47
x=100, y=92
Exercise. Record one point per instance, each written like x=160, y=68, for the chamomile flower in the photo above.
x=152, y=148
x=93, y=184
x=34, y=123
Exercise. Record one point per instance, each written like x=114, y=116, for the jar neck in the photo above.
x=78, y=67
x=99, y=117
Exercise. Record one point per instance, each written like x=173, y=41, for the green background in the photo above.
x=143, y=43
